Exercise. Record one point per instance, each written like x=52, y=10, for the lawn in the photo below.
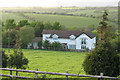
x=53, y=61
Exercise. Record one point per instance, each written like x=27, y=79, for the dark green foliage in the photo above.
x=46, y=44
x=104, y=59
x=4, y=59
x=47, y=26
x=56, y=26
x=10, y=24
x=8, y=36
x=56, y=46
x=23, y=23
x=26, y=35
x=40, y=44
x=39, y=29
x=17, y=60
x=33, y=24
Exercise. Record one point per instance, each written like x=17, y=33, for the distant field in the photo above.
x=53, y=61
x=68, y=21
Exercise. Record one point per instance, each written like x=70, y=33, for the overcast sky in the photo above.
x=57, y=3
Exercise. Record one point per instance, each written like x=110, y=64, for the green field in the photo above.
x=53, y=61
x=67, y=21
x=60, y=14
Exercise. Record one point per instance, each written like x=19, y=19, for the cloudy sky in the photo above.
x=57, y=3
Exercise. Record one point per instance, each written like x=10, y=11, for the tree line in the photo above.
x=26, y=31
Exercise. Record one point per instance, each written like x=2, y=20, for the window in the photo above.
x=83, y=47
x=72, y=37
x=46, y=37
x=83, y=41
x=55, y=37
x=72, y=46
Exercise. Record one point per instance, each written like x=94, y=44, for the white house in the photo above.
x=72, y=39
x=34, y=43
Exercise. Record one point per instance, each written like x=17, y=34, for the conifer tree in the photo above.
x=104, y=59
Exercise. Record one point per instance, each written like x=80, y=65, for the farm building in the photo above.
x=72, y=39
x=79, y=40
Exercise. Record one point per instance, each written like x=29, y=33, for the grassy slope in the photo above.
x=6, y=16
x=67, y=21
x=53, y=61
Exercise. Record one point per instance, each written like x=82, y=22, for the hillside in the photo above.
x=69, y=17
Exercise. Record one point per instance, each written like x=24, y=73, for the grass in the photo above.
x=68, y=21
x=53, y=61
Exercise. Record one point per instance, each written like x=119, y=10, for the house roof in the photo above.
x=37, y=39
x=66, y=34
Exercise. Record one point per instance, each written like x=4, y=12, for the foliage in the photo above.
x=56, y=26
x=56, y=45
x=9, y=36
x=46, y=44
x=40, y=44
x=26, y=35
x=4, y=59
x=38, y=29
x=104, y=59
x=17, y=60
x=33, y=24
x=23, y=23
x=10, y=24
x=115, y=43
x=47, y=25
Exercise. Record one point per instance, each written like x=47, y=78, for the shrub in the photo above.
x=4, y=59
x=46, y=44
x=40, y=44
x=17, y=60
x=56, y=46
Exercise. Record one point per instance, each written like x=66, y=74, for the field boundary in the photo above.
x=100, y=77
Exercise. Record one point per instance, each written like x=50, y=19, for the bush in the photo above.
x=4, y=59
x=40, y=44
x=17, y=60
x=56, y=46
x=46, y=44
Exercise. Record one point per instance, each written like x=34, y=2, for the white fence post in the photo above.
x=101, y=74
x=66, y=75
x=36, y=75
x=10, y=73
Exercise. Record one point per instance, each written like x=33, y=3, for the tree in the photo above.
x=56, y=26
x=39, y=29
x=104, y=59
x=40, y=44
x=17, y=60
x=33, y=24
x=4, y=59
x=26, y=35
x=47, y=26
x=46, y=44
x=10, y=37
x=10, y=24
x=23, y=23
x=56, y=45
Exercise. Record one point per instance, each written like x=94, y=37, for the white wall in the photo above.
x=89, y=42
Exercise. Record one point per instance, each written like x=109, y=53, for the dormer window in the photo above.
x=55, y=37
x=72, y=37
x=46, y=37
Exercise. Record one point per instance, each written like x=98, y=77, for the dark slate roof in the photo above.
x=37, y=39
x=66, y=34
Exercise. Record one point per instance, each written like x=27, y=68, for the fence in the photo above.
x=100, y=77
